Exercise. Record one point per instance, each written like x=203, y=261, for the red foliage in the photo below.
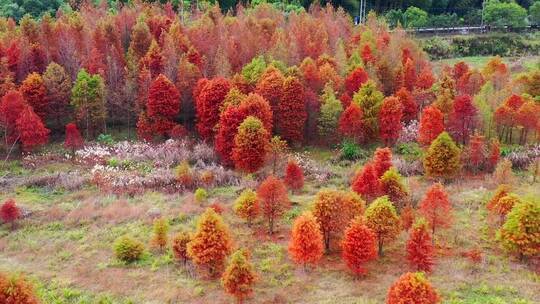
x=35, y=94
x=390, y=117
x=16, y=290
x=270, y=86
x=291, y=111
x=462, y=118
x=409, y=74
x=9, y=212
x=38, y=59
x=436, y=208
x=294, y=176
x=420, y=249
x=94, y=64
x=410, y=108
x=407, y=217
x=460, y=68
x=73, y=139
x=477, y=153
x=354, y=80
x=494, y=154
x=208, y=103
x=350, y=122
x=153, y=60
x=31, y=130
x=272, y=194
x=412, y=288
x=11, y=108
x=306, y=244
x=345, y=99
x=425, y=79
x=178, y=132
x=431, y=125
x=470, y=83
x=367, y=54
x=359, y=246
x=251, y=145
x=382, y=161
x=311, y=76
x=366, y=182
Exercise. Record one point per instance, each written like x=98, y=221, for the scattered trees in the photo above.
x=442, y=159
x=359, y=246
x=412, y=288
x=381, y=217
x=436, y=208
x=306, y=244
x=419, y=247
x=272, y=194
x=239, y=277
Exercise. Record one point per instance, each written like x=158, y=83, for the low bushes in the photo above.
x=127, y=249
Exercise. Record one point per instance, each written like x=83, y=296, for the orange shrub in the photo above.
x=419, y=247
x=16, y=290
x=272, y=194
x=239, y=277
x=412, y=288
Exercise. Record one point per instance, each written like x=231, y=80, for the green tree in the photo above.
x=534, y=13
x=331, y=109
x=521, y=231
x=500, y=13
x=442, y=158
x=369, y=98
x=88, y=98
x=415, y=17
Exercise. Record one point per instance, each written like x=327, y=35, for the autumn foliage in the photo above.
x=381, y=217
x=31, y=130
x=208, y=102
x=291, y=111
x=520, y=232
x=239, y=277
x=247, y=206
x=359, y=246
x=412, y=288
x=251, y=145
x=73, y=140
x=306, y=244
x=179, y=244
x=382, y=160
x=436, y=208
x=294, y=176
x=390, y=117
x=366, y=182
x=431, y=125
x=9, y=212
x=420, y=251
x=272, y=194
x=16, y=290
x=442, y=159
x=350, y=122
x=211, y=243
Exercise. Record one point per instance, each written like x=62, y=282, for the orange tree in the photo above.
x=272, y=194
x=306, y=244
x=382, y=218
x=520, y=232
x=359, y=245
x=239, y=277
x=419, y=247
x=412, y=288
x=436, y=208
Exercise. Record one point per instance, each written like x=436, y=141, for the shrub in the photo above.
x=200, y=195
x=272, y=194
x=105, y=139
x=247, y=205
x=127, y=249
x=179, y=245
x=503, y=173
x=359, y=246
x=437, y=48
x=382, y=218
x=16, y=290
x=350, y=150
x=415, y=17
x=294, y=176
x=442, y=158
x=211, y=243
x=306, y=244
x=184, y=176
x=161, y=228
x=521, y=231
x=9, y=212
x=239, y=277
x=419, y=247
x=412, y=288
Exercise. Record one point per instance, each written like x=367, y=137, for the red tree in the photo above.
x=37, y=58
x=31, y=130
x=462, y=118
x=272, y=194
x=420, y=248
x=460, y=68
x=73, y=139
x=359, y=246
x=436, y=208
x=367, y=54
x=409, y=74
x=477, y=153
x=11, y=108
x=366, y=182
x=412, y=288
x=431, y=125
x=35, y=94
x=208, y=103
x=291, y=111
x=95, y=63
x=410, y=108
x=354, y=80
x=390, y=117
x=350, y=122
x=270, y=86
x=306, y=244
x=294, y=176
x=425, y=79
x=382, y=161
x=153, y=60
x=9, y=212
x=251, y=145
x=494, y=154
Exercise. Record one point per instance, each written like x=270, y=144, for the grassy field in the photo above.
x=65, y=245
x=478, y=62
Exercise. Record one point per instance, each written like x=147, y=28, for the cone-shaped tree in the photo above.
x=436, y=208
x=425, y=79
x=291, y=112
x=251, y=145
x=306, y=244
x=412, y=288
x=382, y=161
x=179, y=244
x=392, y=185
x=270, y=86
x=31, y=130
x=16, y=290
x=521, y=231
x=370, y=100
x=334, y=210
x=494, y=154
x=359, y=246
x=88, y=98
x=35, y=94
x=410, y=108
x=462, y=120
x=408, y=215
x=161, y=229
x=272, y=194
x=211, y=243
x=153, y=60
x=208, y=103
x=382, y=218
x=355, y=80
x=331, y=109
x=366, y=182
x=247, y=206
x=58, y=84
x=409, y=74
x=431, y=125
x=499, y=206
x=420, y=247
x=239, y=277
x=350, y=122
x=73, y=139
x=294, y=176
x=390, y=117
x=9, y=212
x=442, y=159
x=11, y=107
